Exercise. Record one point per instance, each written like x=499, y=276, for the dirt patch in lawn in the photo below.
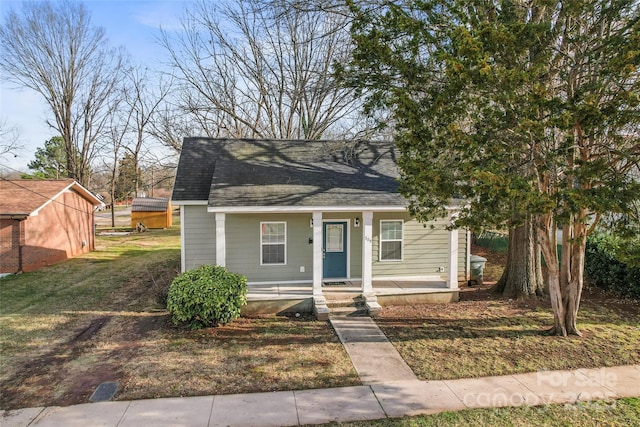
x=150, y=357
x=35, y=379
x=266, y=353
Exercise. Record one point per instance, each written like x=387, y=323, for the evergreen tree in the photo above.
x=128, y=177
x=524, y=109
x=51, y=160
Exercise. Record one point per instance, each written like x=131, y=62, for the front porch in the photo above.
x=294, y=298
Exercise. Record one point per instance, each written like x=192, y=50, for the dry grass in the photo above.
x=485, y=334
x=499, y=337
x=69, y=327
x=620, y=413
x=247, y=355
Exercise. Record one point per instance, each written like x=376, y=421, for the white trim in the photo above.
x=355, y=279
x=452, y=274
x=189, y=202
x=401, y=221
x=183, y=248
x=280, y=282
x=83, y=192
x=467, y=272
x=221, y=239
x=367, y=251
x=317, y=253
x=307, y=209
x=303, y=209
x=409, y=278
x=262, y=244
x=347, y=243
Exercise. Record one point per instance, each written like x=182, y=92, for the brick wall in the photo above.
x=9, y=245
x=61, y=229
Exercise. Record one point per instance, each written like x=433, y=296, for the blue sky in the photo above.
x=133, y=24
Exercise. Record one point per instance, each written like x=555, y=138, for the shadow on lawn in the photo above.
x=498, y=318
x=446, y=329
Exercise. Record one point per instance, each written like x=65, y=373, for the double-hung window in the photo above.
x=391, y=240
x=273, y=243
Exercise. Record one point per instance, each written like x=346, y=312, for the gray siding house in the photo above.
x=305, y=215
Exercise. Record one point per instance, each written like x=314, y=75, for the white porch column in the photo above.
x=317, y=253
x=221, y=242
x=367, y=252
x=452, y=280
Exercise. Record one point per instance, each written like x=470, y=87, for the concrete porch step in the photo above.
x=344, y=300
x=360, y=311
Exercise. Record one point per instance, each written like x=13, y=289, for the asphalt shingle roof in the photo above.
x=195, y=169
x=149, y=204
x=22, y=197
x=250, y=173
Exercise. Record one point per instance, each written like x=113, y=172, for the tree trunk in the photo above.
x=547, y=239
x=113, y=201
x=575, y=281
x=522, y=276
x=566, y=275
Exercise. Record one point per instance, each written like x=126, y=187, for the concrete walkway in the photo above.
x=374, y=358
x=367, y=402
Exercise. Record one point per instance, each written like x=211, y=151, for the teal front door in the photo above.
x=334, y=248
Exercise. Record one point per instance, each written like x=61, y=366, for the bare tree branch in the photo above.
x=52, y=48
x=264, y=69
x=9, y=140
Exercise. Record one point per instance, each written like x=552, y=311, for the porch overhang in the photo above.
x=302, y=209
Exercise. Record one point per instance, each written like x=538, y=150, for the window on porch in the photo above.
x=273, y=238
x=391, y=240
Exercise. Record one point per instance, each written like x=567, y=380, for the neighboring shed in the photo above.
x=44, y=222
x=152, y=212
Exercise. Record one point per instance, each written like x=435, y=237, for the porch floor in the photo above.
x=269, y=292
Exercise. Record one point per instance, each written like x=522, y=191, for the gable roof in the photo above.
x=230, y=173
x=150, y=204
x=26, y=197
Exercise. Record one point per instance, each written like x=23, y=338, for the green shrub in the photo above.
x=605, y=270
x=206, y=296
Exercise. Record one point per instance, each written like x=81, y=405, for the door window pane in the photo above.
x=334, y=238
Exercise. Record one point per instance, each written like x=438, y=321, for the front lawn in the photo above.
x=485, y=334
x=619, y=413
x=99, y=317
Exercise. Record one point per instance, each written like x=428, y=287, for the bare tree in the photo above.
x=52, y=48
x=116, y=132
x=170, y=124
x=254, y=68
x=144, y=101
x=9, y=139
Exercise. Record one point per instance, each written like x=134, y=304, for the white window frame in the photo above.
x=401, y=240
x=262, y=223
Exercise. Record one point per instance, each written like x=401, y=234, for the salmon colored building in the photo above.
x=44, y=222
